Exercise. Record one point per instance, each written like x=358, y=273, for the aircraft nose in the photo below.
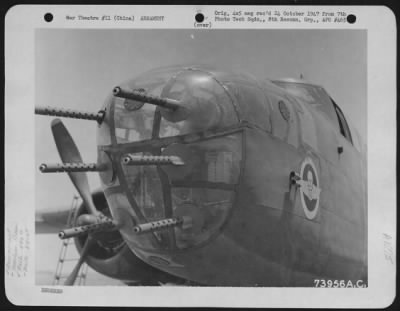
x=173, y=153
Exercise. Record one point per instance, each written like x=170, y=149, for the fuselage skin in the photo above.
x=267, y=239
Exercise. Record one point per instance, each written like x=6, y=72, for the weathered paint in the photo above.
x=266, y=239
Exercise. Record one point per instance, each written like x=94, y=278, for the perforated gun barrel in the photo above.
x=69, y=167
x=104, y=225
x=70, y=113
x=133, y=159
x=162, y=224
x=150, y=99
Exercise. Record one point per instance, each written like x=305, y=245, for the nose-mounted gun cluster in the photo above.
x=73, y=165
x=169, y=151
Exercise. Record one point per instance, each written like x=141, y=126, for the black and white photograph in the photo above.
x=240, y=157
x=221, y=158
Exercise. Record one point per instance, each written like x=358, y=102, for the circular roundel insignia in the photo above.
x=309, y=188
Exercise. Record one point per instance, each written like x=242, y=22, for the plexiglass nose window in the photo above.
x=211, y=161
x=203, y=190
x=206, y=104
x=133, y=119
x=145, y=186
x=206, y=210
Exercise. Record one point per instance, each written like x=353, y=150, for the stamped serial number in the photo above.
x=51, y=290
x=339, y=283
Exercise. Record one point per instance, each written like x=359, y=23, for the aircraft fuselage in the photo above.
x=243, y=142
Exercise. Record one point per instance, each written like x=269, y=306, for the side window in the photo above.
x=344, y=128
x=284, y=119
x=280, y=116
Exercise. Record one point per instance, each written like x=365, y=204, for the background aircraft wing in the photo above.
x=51, y=220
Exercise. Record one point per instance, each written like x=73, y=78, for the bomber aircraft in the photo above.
x=214, y=178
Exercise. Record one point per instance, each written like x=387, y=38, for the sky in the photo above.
x=77, y=69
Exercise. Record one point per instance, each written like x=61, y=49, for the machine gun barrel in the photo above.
x=141, y=97
x=69, y=167
x=162, y=224
x=132, y=159
x=106, y=224
x=69, y=113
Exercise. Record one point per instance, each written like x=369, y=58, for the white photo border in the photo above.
x=379, y=21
